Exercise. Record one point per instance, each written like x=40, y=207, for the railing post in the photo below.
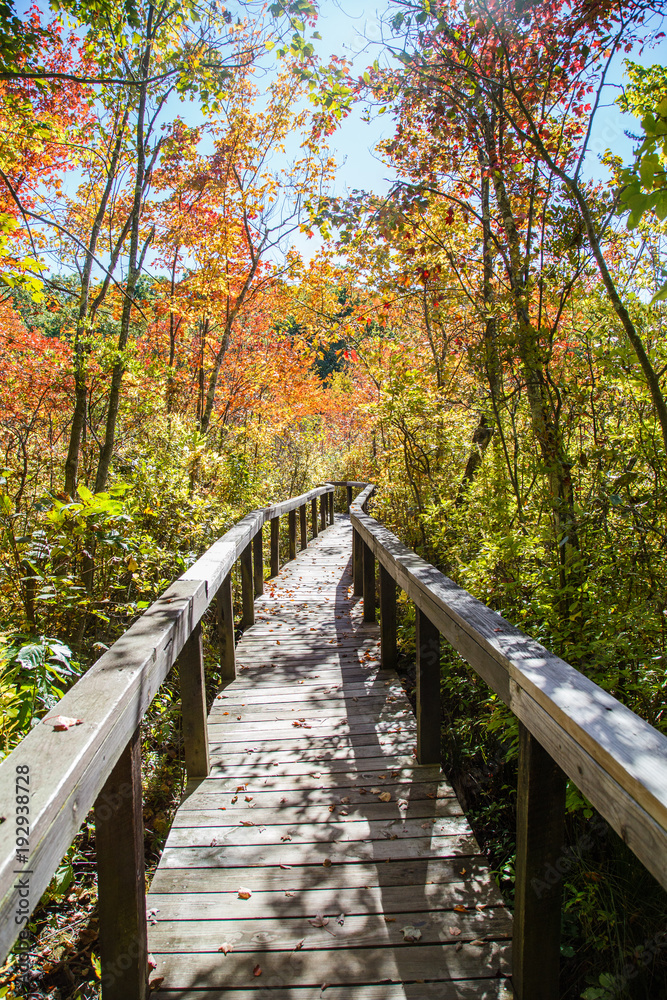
x=357, y=564
x=247, y=591
x=303, y=525
x=428, y=691
x=331, y=507
x=323, y=511
x=313, y=516
x=258, y=559
x=119, y=844
x=275, y=545
x=349, y=498
x=193, y=700
x=225, y=628
x=387, y=620
x=369, y=584
x=539, y=848
x=291, y=519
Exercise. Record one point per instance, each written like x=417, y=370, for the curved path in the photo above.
x=364, y=879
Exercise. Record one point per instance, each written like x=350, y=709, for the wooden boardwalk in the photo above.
x=364, y=878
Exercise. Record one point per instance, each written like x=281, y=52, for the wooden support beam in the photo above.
x=323, y=511
x=428, y=690
x=349, y=498
x=331, y=507
x=369, y=583
x=119, y=844
x=225, y=628
x=193, y=701
x=258, y=560
x=303, y=525
x=275, y=546
x=247, y=591
x=357, y=564
x=291, y=520
x=387, y=620
x=540, y=868
x=313, y=516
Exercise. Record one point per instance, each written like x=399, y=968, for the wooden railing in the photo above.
x=49, y=783
x=568, y=726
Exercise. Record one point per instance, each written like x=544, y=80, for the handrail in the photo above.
x=94, y=762
x=616, y=758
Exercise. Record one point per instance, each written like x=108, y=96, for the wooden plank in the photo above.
x=284, y=931
x=303, y=526
x=474, y=989
x=428, y=690
x=312, y=968
x=275, y=546
x=382, y=812
x=193, y=699
x=247, y=589
x=119, y=847
x=258, y=563
x=540, y=835
x=225, y=630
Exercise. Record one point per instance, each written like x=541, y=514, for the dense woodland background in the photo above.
x=485, y=342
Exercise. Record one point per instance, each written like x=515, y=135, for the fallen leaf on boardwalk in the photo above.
x=214, y=843
x=299, y=945
x=478, y=942
x=375, y=791
x=286, y=837
x=455, y=931
x=244, y=893
x=430, y=795
x=385, y=797
x=327, y=862
x=323, y=987
x=319, y=920
x=226, y=947
x=463, y=871
x=390, y=920
x=481, y=906
x=332, y=808
x=341, y=919
x=223, y=808
x=343, y=812
x=248, y=798
x=285, y=866
x=287, y=893
x=345, y=800
x=247, y=822
x=238, y=717
x=411, y=933
x=458, y=947
x=152, y=915
x=461, y=909
x=235, y=798
x=241, y=788
x=152, y=964
x=156, y=983
x=225, y=713
x=62, y=722
x=257, y=971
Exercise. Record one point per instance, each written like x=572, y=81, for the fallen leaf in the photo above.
x=62, y=722
x=411, y=933
x=152, y=964
x=461, y=909
x=226, y=947
x=287, y=893
x=455, y=931
x=385, y=797
x=481, y=906
x=332, y=808
x=327, y=862
x=341, y=919
x=156, y=983
x=248, y=798
x=285, y=837
x=285, y=866
x=299, y=945
x=241, y=788
x=390, y=920
x=244, y=893
x=257, y=971
x=235, y=798
x=345, y=800
x=319, y=920
x=478, y=942
x=247, y=822
x=375, y=791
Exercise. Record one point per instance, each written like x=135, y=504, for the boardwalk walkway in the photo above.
x=366, y=882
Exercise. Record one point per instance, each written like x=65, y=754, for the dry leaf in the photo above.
x=241, y=788
x=156, y=983
x=244, y=893
x=390, y=920
x=226, y=947
x=288, y=893
x=235, y=799
x=375, y=791
x=152, y=964
x=345, y=800
x=247, y=822
x=62, y=722
x=257, y=971
x=285, y=866
x=299, y=945
x=248, y=798
x=478, y=942
x=455, y=931
x=332, y=808
x=319, y=920
x=385, y=797
x=285, y=837
x=481, y=906
x=411, y=933
x=461, y=909
x=327, y=862
x=341, y=919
